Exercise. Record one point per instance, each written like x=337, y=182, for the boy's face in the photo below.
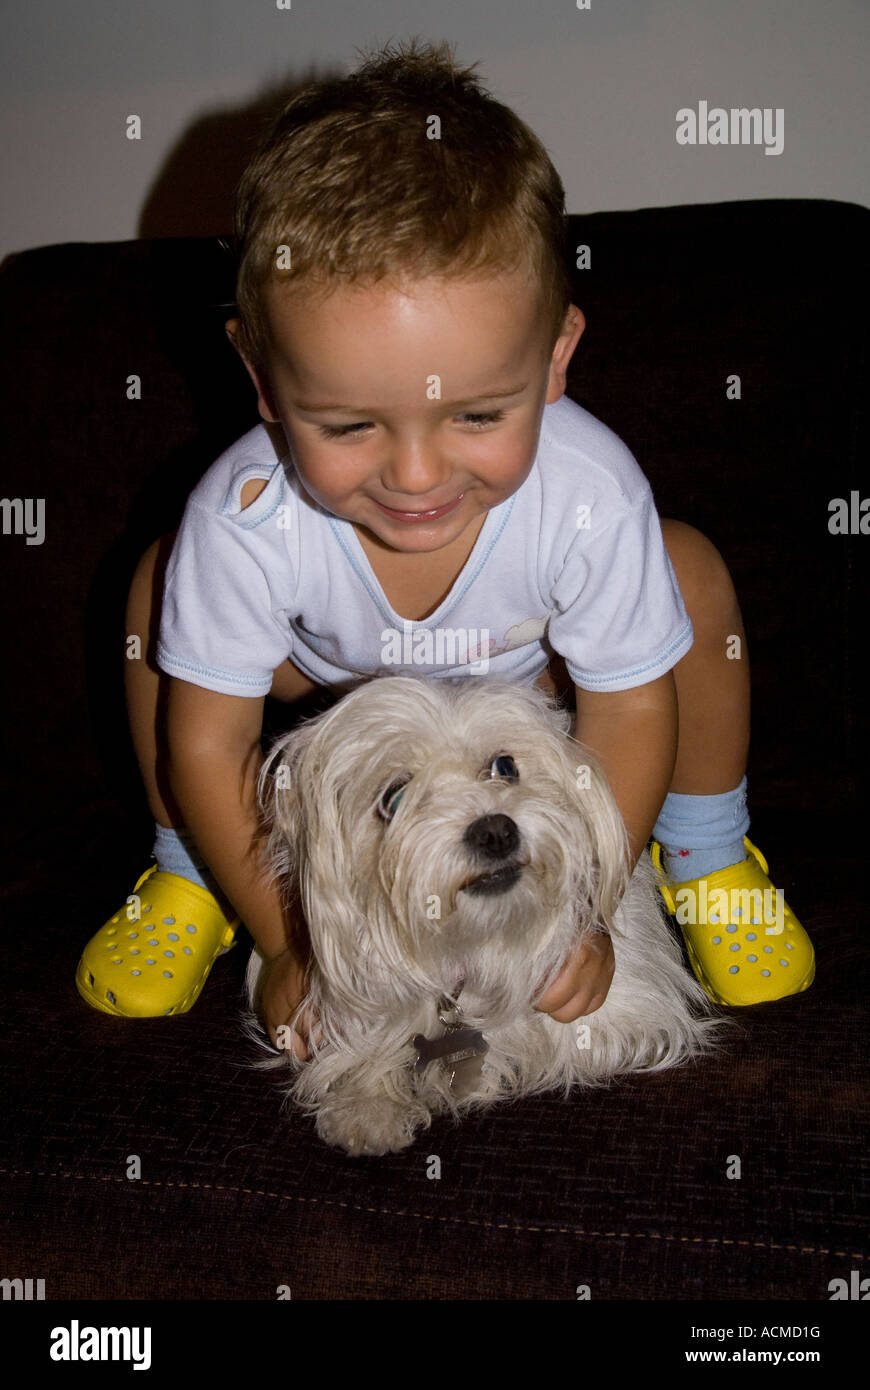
x=392, y=399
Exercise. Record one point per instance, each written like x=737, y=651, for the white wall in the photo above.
x=600, y=86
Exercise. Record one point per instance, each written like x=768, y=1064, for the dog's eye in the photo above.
x=390, y=799
x=504, y=766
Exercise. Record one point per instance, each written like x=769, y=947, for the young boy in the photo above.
x=405, y=315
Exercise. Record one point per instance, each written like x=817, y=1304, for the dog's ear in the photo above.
x=608, y=875
x=279, y=800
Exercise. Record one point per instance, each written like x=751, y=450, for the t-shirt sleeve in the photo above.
x=619, y=619
x=223, y=625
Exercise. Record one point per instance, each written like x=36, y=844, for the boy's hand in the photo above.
x=283, y=991
x=581, y=985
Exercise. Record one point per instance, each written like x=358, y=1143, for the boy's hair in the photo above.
x=348, y=179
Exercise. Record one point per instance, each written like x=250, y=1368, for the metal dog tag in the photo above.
x=462, y=1049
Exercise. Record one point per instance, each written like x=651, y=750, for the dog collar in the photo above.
x=459, y=1048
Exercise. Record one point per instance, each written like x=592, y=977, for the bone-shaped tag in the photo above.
x=455, y=1046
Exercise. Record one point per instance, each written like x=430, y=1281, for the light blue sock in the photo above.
x=176, y=853
x=700, y=834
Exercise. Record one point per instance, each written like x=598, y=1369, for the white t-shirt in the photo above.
x=572, y=562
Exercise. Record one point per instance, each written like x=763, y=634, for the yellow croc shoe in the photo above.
x=154, y=956
x=744, y=942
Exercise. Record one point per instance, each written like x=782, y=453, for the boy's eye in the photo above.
x=336, y=431
x=477, y=421
x=389, y=801
x=504, y=767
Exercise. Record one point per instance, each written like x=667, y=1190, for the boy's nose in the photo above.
x=416, y=474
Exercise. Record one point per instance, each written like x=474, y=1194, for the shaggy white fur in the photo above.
x=450, y=838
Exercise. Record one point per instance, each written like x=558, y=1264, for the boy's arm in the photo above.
x=214, y=760
x=634, y=735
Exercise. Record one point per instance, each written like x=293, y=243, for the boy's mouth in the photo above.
x=431, y=515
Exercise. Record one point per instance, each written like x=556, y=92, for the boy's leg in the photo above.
x=154, y=955
x=147, y=686
x=704, y=818
x=745, y=944
x=712, y=679
x=147, y=691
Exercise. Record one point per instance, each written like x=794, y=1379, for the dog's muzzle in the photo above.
x=494, y=839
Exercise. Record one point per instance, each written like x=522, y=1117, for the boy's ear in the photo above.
x=265, y=401
x=572, y=331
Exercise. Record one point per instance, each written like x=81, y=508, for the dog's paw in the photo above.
x=373, y=1126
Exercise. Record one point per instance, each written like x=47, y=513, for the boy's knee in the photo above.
x=703, y=577
x=697, y=562
x=146, y=586
x=155, y=556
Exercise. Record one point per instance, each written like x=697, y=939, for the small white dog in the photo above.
x=450, y=844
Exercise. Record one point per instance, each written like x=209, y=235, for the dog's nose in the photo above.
x=492, y=837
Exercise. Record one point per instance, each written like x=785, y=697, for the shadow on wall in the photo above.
x=193, y=193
